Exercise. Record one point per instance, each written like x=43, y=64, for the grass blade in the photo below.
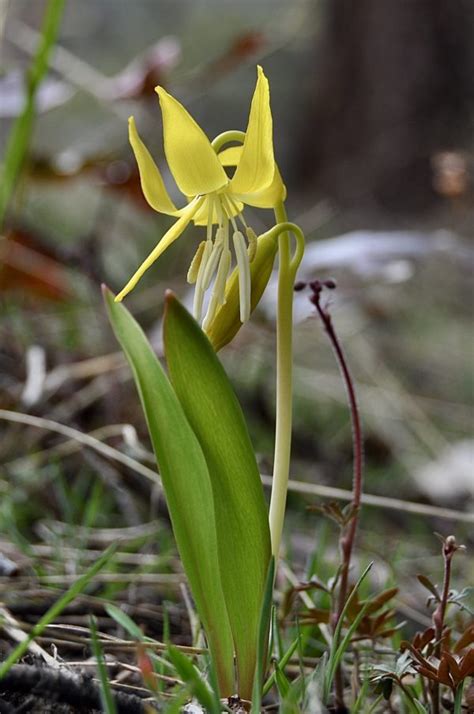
x=19, y=137
x=106, y=696
x=124, y=621
x=197, y=687
x=262, y=643
x=282, y=664
x=338, y=648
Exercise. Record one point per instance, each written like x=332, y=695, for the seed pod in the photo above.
x=226, y=322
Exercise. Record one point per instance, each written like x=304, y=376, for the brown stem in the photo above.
x=449, y=548
x=348, y=531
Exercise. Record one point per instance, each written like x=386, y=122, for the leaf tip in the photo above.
x=170, y=300
x=107, y=293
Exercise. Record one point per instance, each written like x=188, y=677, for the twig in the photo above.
x=349, y=528
x=91, y=440
x=85, y=439
x=449, y=548
x=368, y=499
x=12, y=627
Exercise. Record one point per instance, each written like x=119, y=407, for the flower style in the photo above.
x=214, y=199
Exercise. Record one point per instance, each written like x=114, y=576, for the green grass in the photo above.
x=20, y=135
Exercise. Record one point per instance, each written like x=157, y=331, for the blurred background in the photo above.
x=373, y=106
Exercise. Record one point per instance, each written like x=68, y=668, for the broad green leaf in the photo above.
x=187, y=486
x=216, y=418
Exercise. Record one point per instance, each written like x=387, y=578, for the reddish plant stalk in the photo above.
x=449, y=548
x=348, y=531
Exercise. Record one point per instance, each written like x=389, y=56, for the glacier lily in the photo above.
x=215, y=200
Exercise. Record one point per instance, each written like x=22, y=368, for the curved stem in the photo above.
x=348, y=530
x=227, y=137
x=284, y=392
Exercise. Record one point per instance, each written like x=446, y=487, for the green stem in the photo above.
x=458, y=698
x=288, y=266
x=227, y=137
x=284, y=388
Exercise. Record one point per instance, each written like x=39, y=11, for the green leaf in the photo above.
x=187, y=487
x=243, y=535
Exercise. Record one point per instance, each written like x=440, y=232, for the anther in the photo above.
x=252, y=239
x=218, y=291
x=196, y=263
x=221, y=277
x=199, y=289
x=244, y=275
x=213, y=259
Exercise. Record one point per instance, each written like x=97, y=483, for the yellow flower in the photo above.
x=215, y=200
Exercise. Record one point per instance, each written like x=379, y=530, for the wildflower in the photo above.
x=215, y=199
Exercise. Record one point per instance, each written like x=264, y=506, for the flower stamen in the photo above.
x=252, y=239
x=243, y=264
x=199, y=289
x=196, y=263
x=214, y=256
x=218, y=291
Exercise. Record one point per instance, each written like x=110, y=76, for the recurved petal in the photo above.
x=257, y=165
x=170, y=236
x=150, y=177
x=267, y=197
x=191, y=158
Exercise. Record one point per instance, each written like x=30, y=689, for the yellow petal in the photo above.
x=152, y=183
x=191, y=158
x=170, y=236
x=230, y=156
x=267, y=197
x=256, y=166
x=202, y=216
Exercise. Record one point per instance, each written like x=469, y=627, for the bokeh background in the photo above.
x=373, y=115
